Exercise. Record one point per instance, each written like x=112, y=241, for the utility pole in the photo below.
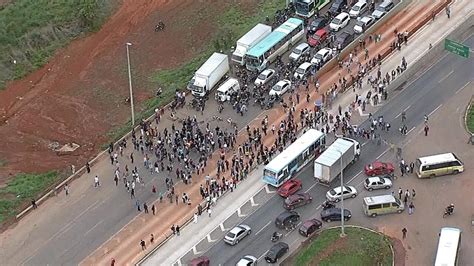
x=343, y=234
x=130, y=83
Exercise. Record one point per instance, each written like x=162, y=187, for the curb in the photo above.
x=466, y=114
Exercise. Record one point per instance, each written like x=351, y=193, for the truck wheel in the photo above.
x=374, y=215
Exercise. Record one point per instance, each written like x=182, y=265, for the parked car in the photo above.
x=322, y=56
x=237, y=233
x=358, y=9
x=200, y=261
x=339, y=22
x=379, y=168
x=297, y=200
x=363, y=24
x=276, y=252
x=334, y=214
x=280, y=88
x=343, y=40
x=318, y=37
x=289, y=187
x=336, y=193
x=383, y=9
x=287, y=219
x=299, y=51
x=302, y=71
x=247, y=261
x=309, y=227
x=337, y=6
x=372, y=183
x=265, y=76
x=317, y=24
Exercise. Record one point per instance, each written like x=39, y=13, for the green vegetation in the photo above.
x=22, y=188
x=359, y=247
x=470, y=118
x=32, y=30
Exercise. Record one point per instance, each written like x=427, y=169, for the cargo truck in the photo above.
x=328, y=165
x=209, y=74
x=249, y=40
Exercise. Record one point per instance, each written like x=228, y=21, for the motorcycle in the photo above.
x=448, y=211
x=160, y=26
x=328, y=205
x=276, y=236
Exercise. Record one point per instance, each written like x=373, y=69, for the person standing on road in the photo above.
x=411, y=208
x=400, y=192
x=96, y=181
x=152, y=239
x=137, y=204
x=112, y=262
x=209, y=211
x=88, y=167
x=426, y=130
x=143, y=244
x=177, y=230
x=195, y=218
x=33, y=204
x=413, y=193
x=173, y=229
x=412, y=167
x=145, y=207
x=66, y=189
x=448, y=11
x=153, y=210
x=404, y=232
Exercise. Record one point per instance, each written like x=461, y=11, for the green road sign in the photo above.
x=456, y=48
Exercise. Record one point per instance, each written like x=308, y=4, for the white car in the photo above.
x=363, y=24
x=340, y=21
x=377, y=182
x=322, y=56
x=247, y=261
x=335, y=193
x=298, y=51
x=281, y=87
x=264, y=77
x=302, y=70
x=237, y=233
x=358, y=9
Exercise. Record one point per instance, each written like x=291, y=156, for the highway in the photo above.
x=423, y=96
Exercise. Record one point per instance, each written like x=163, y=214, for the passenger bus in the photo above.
x=295, y=157
x=448, y=247
x=436, y=165
x=275, y=44
x=307, y=8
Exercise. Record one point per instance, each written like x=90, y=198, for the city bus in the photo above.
x=294, y=157
x=275, y=44
x=436, y=165
x=307, y=8
x=448, y=247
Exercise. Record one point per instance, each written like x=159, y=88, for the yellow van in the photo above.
x=384, y=204
x=437, y=165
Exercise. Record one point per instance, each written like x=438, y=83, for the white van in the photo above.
x=340, y=21
x=384, y=204
x=302, y=70
x=228, y=88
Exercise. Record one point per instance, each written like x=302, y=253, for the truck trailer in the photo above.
x=328, y=165
x=249, y=40
x=209, y=74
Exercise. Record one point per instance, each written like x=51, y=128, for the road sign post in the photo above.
x=456, y=48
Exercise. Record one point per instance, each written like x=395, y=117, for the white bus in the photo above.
x=448, y=247
x=436, y=165
x=295, y=157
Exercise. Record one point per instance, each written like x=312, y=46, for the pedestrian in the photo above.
x=413, y=193
x=153, y=210
x=66, y=189
x=145, y=207
x=426, y=130
x=407, y=193
x=412, y=167
x=404, y=232
x=177, y=230
x=152, y=238
x=112, y=262
x=88, y=167
x=137, y=204
x=73, y=168
x=195, y=218
x=116, y=180
x=177, y=199
x=153, y=189
x=209, y=211
x=173, y=229
x=143, y=244
x=411, y=208
x=400, y=192
x=33, y=204
x=448, y=11
x=96, y=181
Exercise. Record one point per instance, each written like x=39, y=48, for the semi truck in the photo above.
x=249, y=40
x=209, y=74
x=328, y=165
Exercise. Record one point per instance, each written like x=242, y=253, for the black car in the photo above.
x=309, y=227
x=316, y=24
x=343, y=40
x=337, y=6
x=287, y=219
x=276, y=252
x=334, y=214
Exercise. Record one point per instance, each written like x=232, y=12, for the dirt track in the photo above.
x=80, y=95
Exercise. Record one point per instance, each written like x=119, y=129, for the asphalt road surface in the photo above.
x=421, y=97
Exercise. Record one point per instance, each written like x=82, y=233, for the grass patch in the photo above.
x=470, y=118
x=359, y=247
x=22, y=188
x=32, y=30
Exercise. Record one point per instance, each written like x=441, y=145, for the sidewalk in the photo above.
x=128, y=251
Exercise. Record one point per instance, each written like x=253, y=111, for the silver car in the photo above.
x=336, y=193
x=247, y=261
x=236, y=234
x=376, y=182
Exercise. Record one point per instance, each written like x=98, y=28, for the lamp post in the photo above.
x=343, y=234
x=130, y=83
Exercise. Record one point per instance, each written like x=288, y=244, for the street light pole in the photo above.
x=130, y=83
x=343, y=234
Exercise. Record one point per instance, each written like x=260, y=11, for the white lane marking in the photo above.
x=408, y=132
x=194, y=251
x=252, y=202
x=259, y=231
x=312, y=186
x=289, y=232
x=407, y=108
x=259, y=258
x=209, y=239
x=360, y=183
x=436, y=109
x=465, y=85
x=378, y=157
x=239, y=213
x=92, y=228
x=360, y=172
x=267, y=189
x=363, y=144
x=398, y=115
x=445, y=77
x=222, y=227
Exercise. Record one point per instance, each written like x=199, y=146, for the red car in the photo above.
x=379, y=168
x=297, y=200
x=318, y=37
x=200, y=261
x=289, y=187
